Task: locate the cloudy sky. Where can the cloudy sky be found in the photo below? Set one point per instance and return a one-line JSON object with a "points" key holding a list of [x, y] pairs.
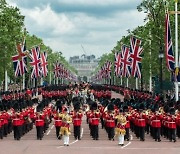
{"points": [[65, 25]]}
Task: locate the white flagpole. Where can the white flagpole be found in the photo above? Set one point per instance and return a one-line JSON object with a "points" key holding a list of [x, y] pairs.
{"points": [[41, 81], [50, 78], [121, 80], [57, 79], [127, 82], [176, 50], [136, 83], [34, 82], [23, 86], [54, 80], [150, 71], [6, 83]]}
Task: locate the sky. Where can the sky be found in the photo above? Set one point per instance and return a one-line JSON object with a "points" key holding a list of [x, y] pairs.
{"points": [[67, 25]]}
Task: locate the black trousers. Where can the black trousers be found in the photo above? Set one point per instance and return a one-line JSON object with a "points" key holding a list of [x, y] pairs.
{"points": [[17, 132], [157, 133], [5, 129], [77, 131], [172, 134], [178, 131], [127, 136], [95, 132], [10, 126], [102, 122], [142, 133], [40, 130], [110, 131], [57, 132], [1, 132]]}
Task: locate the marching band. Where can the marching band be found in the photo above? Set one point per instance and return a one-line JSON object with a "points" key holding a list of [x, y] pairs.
{"points": [[140, 113]]}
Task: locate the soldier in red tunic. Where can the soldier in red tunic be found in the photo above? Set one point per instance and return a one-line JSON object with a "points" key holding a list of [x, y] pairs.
{"points": [[39, 122], [77, 120], [156, 125], [110, 122], [58, 121], [171, 120], [17, 125], [141, 123], [95, 116]]}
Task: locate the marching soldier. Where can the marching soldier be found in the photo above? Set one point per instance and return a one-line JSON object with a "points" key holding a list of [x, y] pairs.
{"points": [[127, 126], [141, 123], [65, 128], [120, 128], [156, 126], [77, 120], [95, 116], [58, 122], [39, 122], [110, 122], [17, 125], [172, 125]]}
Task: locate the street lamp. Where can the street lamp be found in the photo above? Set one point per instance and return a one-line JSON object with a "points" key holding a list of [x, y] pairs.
{"points": [[161, 56]]}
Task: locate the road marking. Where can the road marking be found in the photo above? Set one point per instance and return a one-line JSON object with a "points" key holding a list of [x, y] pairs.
{"points": [[131, 137], [48, 132], [69, 144], [82, 130], [126, 145], [118, 148], [52, 126], [73, 142]]}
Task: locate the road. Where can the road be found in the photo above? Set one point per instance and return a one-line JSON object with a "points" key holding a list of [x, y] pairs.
{"points": [[50, 145]]}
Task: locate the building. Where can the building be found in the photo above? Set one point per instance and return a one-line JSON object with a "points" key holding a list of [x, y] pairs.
{"points": [[85, 65]]}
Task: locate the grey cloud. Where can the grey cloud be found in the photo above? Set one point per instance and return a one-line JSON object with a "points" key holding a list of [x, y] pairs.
{"points": [[93, 9]]}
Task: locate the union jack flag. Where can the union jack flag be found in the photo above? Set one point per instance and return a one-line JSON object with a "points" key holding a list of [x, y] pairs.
{"points": [[44, 64], [117, 64], [125, 62], [56, 69], [168, 46], [135, 58], [103, 71], [108, 69], [35, 62], [20, 60]]}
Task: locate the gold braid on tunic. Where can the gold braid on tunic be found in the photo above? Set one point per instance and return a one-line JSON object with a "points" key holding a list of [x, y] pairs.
{"points": [[121, 122], [65, 130]]}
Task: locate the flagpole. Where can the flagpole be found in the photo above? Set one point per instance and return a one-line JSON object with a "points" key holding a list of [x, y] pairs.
{"points": [[176, 51], [150, 67], [23, 86], [127, 82], [34, 82], [57, 81], [41, 81], [6, 83], [121, 80], [136, 83], [50, 78]]}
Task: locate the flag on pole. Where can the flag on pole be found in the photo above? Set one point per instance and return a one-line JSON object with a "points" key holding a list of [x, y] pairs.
{"points": [[44, 64], [170, 61], [117, 64], [35, 62], [56, 69], [108, 69], [135, 58], [125, 62], [20, 60]]}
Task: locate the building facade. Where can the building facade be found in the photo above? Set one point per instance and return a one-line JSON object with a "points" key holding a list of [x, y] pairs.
{"points": [[85, 65]]}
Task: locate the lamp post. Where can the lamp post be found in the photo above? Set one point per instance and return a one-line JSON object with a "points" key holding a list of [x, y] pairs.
{"points": [[161, 56]]}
